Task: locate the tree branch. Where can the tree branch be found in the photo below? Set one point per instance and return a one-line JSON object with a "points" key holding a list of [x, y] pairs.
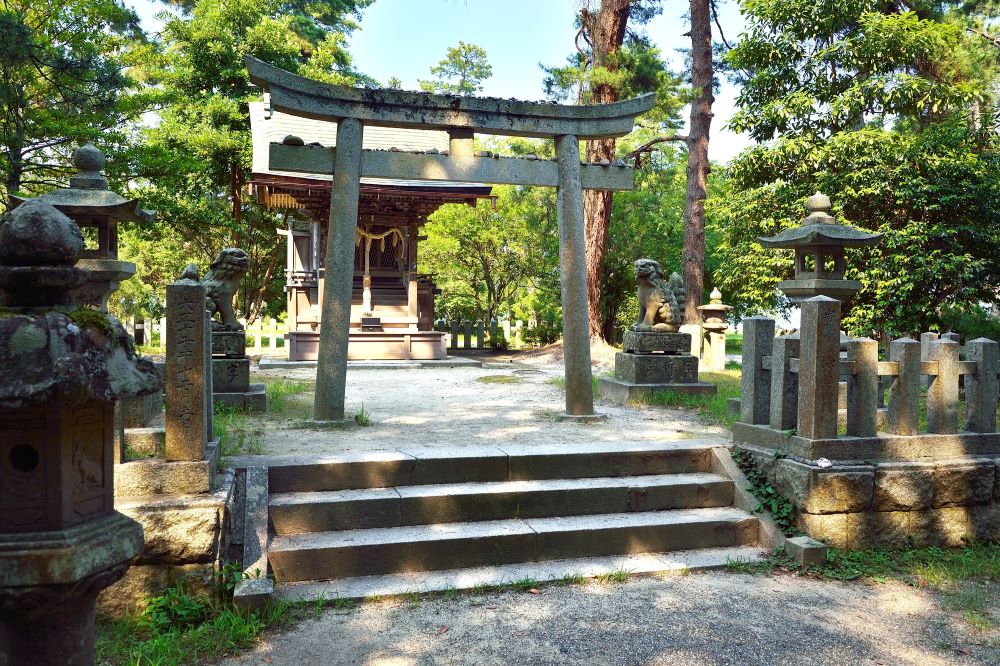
{"points": [[646, 147]]}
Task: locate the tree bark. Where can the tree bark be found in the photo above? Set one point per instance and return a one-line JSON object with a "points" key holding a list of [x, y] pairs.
{"points": [[607, 33], [693, 255]]}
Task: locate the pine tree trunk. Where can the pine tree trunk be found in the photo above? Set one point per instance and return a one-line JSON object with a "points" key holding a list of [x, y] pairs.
{"points": [[693, 255], [607, 32]]}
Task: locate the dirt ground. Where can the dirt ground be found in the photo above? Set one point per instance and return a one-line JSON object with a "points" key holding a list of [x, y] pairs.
{"points": [[712, 618], [430, 407]]}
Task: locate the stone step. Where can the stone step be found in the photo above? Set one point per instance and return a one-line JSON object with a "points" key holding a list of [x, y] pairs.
{"points": [[298, 513], [423, 466], [351, 553], [397, 585]]}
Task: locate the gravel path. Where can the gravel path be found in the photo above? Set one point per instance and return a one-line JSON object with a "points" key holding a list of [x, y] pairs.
{"points": [[429, 407], [712, 618]]}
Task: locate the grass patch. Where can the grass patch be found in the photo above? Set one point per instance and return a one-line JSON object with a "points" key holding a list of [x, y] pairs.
{"points": [[560, 383], [714, 407], [363, 418], [617, 576], [571, 579], [238, 433], [279, 390], [524, 584], [500, 379], [179, 627]]}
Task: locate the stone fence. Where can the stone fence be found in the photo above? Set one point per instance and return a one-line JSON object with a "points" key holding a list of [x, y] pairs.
{"points": [[264, 336], [866, 457]]}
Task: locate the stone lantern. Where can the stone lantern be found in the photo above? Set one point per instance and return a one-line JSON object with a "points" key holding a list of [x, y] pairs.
{"points": [[96, 210], [819, 244], [714, 325], [61, 541]]}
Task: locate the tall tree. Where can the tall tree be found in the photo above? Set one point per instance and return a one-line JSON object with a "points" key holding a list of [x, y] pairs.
{"points": [[702, 81], [462, 71], [194, 164], [890, 112], [612, 62], [62, 83]]}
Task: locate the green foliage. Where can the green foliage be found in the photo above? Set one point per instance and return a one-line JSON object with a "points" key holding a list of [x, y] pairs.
{"points": [[181, 627], [889, 115], [971, 321], [497, 340], [461, 72], [485, 258], [63, 82], [279, 390], [715, 407], [362, 417], [770, 499]]}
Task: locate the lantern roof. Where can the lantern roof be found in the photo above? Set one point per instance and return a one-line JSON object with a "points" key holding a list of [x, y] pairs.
{"points": [[819, 228], [88, 192]]}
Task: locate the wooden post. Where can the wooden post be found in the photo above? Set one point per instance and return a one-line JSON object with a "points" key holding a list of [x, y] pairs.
{"points": [[904, 393], [862, 388], [573, 276], [981, 388], [335, 322]]}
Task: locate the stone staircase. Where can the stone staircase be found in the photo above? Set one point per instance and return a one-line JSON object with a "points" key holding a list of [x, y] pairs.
{"points": [[383, 523]]}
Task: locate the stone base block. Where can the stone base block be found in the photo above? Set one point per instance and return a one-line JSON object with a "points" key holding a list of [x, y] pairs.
{"points": [[232, 344], [148, 442], [230, 374], [150, 477], [646, 342], [139, 412], [253, 593], [623, 392], [806, 551], [129, 595], [656, 368], [254, 399]]}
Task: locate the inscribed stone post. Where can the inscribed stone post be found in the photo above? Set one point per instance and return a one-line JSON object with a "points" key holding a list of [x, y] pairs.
{"points": [[904, 393], [573, 277], [186, 386], [467, 334], [755, 384], [862, 388], [819, 368], [981, 388], [942, 392], [209, 388], [784, 383], [331, 364]]}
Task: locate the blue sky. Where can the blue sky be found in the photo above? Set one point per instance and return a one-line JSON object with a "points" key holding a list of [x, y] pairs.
{"points": [[404, 38]]}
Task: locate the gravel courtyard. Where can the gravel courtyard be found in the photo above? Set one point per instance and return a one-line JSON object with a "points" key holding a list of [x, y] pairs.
{"points": [[710, 618]]}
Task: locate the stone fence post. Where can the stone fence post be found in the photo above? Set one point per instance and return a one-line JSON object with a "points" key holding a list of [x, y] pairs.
{"points": [[862, 388], [755, 384], [784, 383], [819, 368], [942, 392], [186, 391], [904, 393], [981, 388]]}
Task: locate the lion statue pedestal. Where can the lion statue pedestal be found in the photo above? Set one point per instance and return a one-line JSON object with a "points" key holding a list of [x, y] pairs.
{"points": [[230, 365], [656, 357]]}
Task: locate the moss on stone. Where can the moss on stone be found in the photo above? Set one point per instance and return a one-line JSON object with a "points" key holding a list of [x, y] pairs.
{"points": [[84, 317]]}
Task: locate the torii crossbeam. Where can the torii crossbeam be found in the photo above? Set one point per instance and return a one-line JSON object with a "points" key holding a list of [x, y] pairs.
{"points": [[354, 108]]}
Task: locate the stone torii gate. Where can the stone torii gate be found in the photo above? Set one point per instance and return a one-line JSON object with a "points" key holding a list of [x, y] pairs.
{"points": [[354, 108]]}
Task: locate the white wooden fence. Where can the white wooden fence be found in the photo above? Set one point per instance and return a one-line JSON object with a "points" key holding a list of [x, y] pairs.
{"points": [[264, 336]]}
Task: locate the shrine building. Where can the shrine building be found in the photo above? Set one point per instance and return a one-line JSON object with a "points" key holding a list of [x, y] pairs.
{"points": [[392, 306]]}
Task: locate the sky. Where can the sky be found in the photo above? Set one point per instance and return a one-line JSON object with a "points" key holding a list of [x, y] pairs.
{"points": [[404, 38]]}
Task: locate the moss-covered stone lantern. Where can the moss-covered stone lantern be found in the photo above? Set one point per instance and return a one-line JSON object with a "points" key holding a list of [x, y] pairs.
{"points": [[819, 244], [61, 541], [97, 211]]}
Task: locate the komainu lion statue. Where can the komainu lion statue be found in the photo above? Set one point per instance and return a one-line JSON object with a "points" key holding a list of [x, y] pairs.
{"points": [[222, 281], [661, 302]]}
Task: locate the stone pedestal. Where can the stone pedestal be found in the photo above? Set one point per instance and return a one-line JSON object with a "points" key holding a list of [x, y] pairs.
{"points": [[653, 361], [231, 373]]}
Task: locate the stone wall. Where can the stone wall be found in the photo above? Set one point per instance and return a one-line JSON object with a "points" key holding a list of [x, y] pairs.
{"points": [[890, 504]]}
